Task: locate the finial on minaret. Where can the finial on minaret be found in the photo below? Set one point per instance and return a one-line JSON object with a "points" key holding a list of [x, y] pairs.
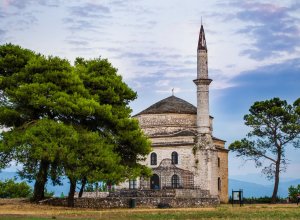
{"points": [[173, 92], [201, 20]]}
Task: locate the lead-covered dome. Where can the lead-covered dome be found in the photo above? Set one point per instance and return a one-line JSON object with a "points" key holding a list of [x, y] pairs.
{"points": [[172, 104]]}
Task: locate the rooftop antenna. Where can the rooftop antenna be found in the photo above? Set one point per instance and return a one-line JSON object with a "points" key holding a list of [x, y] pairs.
{"points": [[201, 20], [173, 92]]}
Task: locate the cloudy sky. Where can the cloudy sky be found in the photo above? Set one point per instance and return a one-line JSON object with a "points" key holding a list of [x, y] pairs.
{"points": [[253, 46]]}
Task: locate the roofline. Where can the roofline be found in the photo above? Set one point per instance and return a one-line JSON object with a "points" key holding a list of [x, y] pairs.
{"points": [[182, 100], [172, 144], [140, 113], [222, 149], [218, 139]]}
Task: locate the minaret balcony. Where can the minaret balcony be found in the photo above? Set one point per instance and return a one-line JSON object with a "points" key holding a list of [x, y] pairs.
{"points": [[202, 81]]}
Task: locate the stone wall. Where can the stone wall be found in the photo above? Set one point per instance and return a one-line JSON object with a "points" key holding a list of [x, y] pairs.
{"points": [[223, 174], [206, 170], [192, 193], [176, 198], [93, 194], [144, 193], [185, 156], [172, 141], [166, 123], [146, 202], [172, 193]]}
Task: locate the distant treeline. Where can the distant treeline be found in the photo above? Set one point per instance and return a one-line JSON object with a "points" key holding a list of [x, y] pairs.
{"points": [[261, 200]]}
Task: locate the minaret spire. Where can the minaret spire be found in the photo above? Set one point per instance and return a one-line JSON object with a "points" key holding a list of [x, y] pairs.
{"points": [[202, 41]]}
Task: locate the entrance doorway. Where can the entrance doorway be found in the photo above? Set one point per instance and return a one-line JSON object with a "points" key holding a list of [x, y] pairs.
{"points": [[154, 182]]}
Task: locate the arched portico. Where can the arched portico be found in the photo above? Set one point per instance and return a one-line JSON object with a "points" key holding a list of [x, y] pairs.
{"points": [[154, 182]]}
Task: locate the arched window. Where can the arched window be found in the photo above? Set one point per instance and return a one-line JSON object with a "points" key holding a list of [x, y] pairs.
{"points": [[153, 159], [219, 162], [174, 157], [219, 184], [175, 181]]}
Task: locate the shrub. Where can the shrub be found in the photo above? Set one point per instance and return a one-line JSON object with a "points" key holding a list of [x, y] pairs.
{"points": [[11, 189], [293, 192], [48, 194], [260, 200]]}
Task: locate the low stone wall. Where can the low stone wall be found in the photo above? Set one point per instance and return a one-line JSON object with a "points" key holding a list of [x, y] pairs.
{"points": [[93, 194], [173, 193], [144, 193], [176, 198], [192, 193], [146, 202]]}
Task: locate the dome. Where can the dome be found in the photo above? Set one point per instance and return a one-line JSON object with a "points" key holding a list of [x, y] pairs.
{"points": [[171, 104]]}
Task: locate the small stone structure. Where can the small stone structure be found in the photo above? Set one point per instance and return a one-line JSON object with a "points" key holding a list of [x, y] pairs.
{"points": [[174, 198]]}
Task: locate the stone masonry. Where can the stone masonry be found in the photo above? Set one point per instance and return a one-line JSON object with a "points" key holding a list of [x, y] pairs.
{"points": [[174, 198]]}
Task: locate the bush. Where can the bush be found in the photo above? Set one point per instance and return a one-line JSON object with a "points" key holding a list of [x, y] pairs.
{"points": [[164, 206], [260, 200], [48, 194], [293, 192], [11, 189]]}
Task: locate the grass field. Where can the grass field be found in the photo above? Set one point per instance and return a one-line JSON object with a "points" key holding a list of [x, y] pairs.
{"points": [[22, 209]]}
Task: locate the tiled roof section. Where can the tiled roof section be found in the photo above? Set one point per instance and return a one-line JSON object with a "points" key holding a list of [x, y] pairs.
{"points": [[171, 104]]}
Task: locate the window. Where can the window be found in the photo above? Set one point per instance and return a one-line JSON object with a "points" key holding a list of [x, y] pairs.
{"points": [[219, 184], [175, 181], [132, 184], [218, 161], [174, 157], [153, 159]]}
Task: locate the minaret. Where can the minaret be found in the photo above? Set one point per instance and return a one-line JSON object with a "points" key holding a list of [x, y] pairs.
{"points": [[202, 82], [206, 172]]}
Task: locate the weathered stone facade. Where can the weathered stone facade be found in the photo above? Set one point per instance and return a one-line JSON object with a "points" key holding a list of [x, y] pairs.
{"points": [[175, 198], [223, 174], [141, 202], [185, 153]]}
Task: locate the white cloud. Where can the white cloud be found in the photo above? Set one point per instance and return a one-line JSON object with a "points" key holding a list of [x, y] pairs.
{"points": [[162, 83]]}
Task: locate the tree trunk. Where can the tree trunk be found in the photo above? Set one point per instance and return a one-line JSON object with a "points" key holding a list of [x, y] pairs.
{"points": [[83, 183], [97, 189], [276, 183], [41, 180], [71, 192]]}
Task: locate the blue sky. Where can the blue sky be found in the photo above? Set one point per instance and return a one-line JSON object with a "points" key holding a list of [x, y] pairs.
{"points": [[253, 46]]}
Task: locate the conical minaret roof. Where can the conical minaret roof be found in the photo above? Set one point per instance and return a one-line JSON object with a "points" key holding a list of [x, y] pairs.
{"points": [[202, 41]]}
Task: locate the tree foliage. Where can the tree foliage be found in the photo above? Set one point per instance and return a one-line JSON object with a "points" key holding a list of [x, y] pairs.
{"points": [[67, 120], [9, 188], [294, 191], [275, 125]]}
